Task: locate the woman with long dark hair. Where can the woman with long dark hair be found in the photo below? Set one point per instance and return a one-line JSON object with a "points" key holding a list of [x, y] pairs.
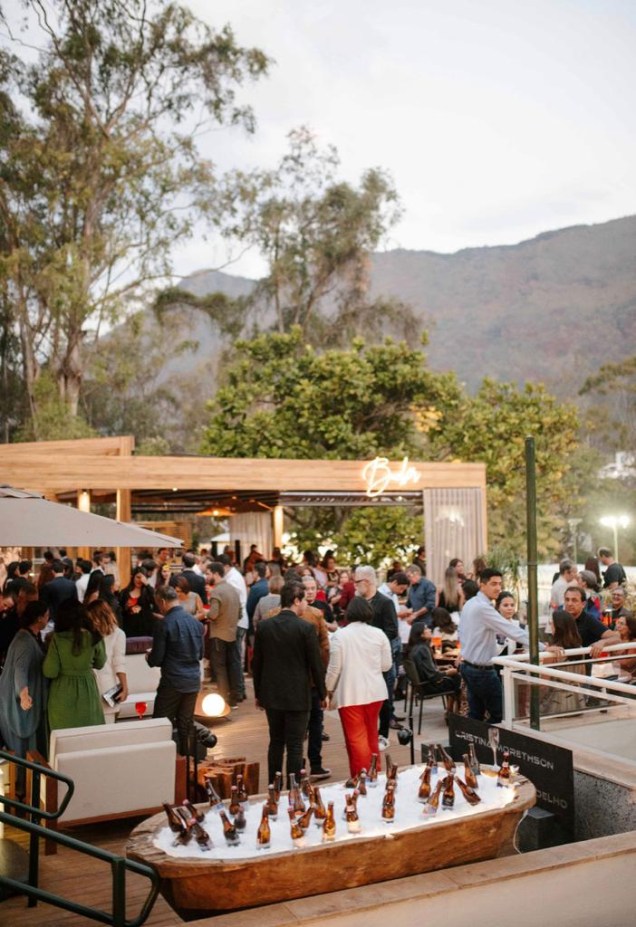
{"points": [[73, 651], [138, 605], [565, 634]]}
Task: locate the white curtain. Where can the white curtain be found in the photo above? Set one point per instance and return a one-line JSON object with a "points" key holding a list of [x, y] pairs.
{"points": [[252, 528], [454, 526]]}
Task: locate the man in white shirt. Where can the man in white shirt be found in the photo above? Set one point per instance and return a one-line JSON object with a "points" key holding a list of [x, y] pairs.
{"points": [[567, 575], [235, 578]]}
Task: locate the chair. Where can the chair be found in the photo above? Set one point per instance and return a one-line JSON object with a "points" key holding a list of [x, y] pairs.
{"points": [[415, 689]]}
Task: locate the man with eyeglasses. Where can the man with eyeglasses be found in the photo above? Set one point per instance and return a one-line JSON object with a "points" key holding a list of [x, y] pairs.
{"points": [[385, 618]]}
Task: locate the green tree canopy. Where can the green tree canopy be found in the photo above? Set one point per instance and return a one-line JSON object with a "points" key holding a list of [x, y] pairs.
{"points": [[99, 163]]}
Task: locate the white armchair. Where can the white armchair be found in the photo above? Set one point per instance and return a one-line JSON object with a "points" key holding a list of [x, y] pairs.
{"points": [[119, 770]]}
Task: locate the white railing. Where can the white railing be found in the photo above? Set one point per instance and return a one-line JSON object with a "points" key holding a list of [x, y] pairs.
{"points": [[517, 669]]}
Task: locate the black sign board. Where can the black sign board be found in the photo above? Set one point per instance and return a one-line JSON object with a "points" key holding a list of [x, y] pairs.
{"points": [[547, 766]]}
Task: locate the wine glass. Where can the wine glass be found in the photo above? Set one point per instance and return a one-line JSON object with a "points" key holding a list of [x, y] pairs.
{"points": [[493, 741], [141, 708]]}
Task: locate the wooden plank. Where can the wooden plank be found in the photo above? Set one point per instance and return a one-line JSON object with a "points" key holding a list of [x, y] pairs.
{"points": [[215, 473]]}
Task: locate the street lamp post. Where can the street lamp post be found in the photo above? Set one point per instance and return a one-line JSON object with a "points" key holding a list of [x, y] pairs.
{"points": [[615, 522]]}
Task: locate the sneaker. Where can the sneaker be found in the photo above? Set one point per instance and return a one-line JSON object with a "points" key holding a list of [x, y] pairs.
{"points": [[383, 742], [320, 773], [325, 736]]}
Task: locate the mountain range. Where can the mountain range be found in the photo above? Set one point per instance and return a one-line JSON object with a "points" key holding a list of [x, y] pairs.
{"points": [[553, 308]]}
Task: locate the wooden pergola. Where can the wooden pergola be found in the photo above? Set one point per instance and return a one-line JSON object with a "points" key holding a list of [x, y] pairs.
{"points": [[106, 469]]}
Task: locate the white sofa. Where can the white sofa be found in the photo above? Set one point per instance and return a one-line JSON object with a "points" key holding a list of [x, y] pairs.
{"points": [[119, 770]]}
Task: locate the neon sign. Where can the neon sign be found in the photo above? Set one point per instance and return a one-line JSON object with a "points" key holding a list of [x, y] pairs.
{"points": [[378, 475]]}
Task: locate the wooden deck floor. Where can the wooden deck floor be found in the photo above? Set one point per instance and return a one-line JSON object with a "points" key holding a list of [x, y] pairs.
{"points": [[87, 881]]}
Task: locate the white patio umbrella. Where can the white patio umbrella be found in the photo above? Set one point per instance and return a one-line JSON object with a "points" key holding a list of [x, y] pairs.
{"points": [[29, 520]]}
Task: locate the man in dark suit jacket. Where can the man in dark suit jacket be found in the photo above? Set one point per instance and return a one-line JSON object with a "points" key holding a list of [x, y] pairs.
{"points": [[285, 665], [58, 589], [195, 580]]}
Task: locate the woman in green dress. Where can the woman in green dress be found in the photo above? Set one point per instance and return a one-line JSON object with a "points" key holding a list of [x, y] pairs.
{"points": [[73, 652]]}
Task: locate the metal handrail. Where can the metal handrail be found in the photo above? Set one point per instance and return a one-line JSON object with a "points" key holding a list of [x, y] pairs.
{"points": [[119, 864]]}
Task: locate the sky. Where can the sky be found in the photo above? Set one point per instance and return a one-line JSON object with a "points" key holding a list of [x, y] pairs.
{"points": [[497, 119]]}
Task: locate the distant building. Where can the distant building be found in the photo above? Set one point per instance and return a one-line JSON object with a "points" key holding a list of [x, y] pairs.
{"points": [[622, 467]]}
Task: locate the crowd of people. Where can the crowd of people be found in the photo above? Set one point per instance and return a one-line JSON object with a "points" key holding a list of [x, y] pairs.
{"points": [[312, 635]]}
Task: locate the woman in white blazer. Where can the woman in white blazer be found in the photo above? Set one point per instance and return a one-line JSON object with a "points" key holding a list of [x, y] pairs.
{"points": [[358, 655]]}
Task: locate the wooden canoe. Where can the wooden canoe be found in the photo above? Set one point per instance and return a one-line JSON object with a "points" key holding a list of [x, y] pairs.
{"points": [[199, 887]]}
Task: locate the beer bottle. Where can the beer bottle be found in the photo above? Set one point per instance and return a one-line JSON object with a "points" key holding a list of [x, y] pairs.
{"points": [[184, 836], [235, 804], [239, 818], [229, 831], [175, 822], [432, 758], [474, 762], [329, 824], [353, 821], [320, 812], [362, 782], [195, 812], [305, 784], [425, 784], [201, 836], [503, 776], [373, 771], [278, 785], [389, 763], [305, 819], [469, 775], [432, 804], [297, 835], [468, 792], [264, 832], [295, 798], [243, 795], [388, 802], [447, 760], [213, 795], [448, 798], [392, 775], [272, 803]]}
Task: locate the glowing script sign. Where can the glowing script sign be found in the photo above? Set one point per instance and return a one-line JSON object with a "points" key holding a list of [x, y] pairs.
{"points": [[379, 475]]}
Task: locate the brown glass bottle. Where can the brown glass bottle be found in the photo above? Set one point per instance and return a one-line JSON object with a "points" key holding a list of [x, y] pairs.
{"points": [[239, 818], [468, 792], [432, 804], [295, 797], [201, 836], [243, 794], [278, 785], [388, 763], [388, 802], [175, 822], [235, 804], [351, 815], [425, 784], [264, 832], [229, 830], [474, 762], [432, 758], [362, 782], [329, 824], [305, 819], [305, 784], [448, 797], [272, 803], [196, 813], [503, 776], [469, 775], [447, 760], [213, 795], [373, 771], [296, 831], [320, 812]]}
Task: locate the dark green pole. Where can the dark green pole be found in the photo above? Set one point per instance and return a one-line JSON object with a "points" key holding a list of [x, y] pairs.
{"points": [[533, 598]]}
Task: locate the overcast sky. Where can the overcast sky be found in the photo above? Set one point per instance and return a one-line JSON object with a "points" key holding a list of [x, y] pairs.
{"points": [[497, 119]]}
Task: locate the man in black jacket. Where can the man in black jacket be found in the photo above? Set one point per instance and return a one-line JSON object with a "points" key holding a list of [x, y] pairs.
{"points": [[285, 665], [58, 589], [195, 580]]}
